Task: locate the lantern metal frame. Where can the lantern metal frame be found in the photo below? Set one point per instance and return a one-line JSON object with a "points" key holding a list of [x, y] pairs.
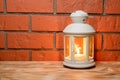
{"points": [[78, 63], [80, 29]]}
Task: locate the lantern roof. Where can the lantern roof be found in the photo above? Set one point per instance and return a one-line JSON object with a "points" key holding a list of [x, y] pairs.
{"points": [[79, 13], [79, 26]]}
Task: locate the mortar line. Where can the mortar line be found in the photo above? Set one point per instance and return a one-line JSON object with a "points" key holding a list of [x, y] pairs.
{"points": [[54, 41], [107, 50], [28, 13], [5, 41], [30, 23], [54, 6], [29, 49], [102, 41], [30, 55], [104, 7], [52, 50], [52, 32], [57, 14], [42, 32], [5, 7]]}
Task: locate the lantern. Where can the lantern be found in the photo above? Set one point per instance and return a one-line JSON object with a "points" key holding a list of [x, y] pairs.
{"points": [[79, 42]]}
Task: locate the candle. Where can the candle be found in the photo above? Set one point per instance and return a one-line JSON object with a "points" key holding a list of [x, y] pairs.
{"points": [[78, 55]]}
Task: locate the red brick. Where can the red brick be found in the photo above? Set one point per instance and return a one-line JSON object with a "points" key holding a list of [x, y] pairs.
{"points": [[47, 55], [49, 23], [105, 23], [112, 41], [59, 41], [90, 6], [98, 41], [13, 22], [1, 5], [30, 40], [12, 55], [30, 6], [113, 6], [107, 56], [58, 23], [1, 40]]}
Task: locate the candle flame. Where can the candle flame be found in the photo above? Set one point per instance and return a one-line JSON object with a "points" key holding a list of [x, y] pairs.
{"points": [[78, 55], [78, 49]]}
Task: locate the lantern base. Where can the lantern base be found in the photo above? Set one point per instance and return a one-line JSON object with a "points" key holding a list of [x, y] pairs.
{"points": [[79, 65]]}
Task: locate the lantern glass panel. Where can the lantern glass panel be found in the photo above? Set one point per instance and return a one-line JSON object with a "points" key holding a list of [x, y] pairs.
{"points": [[91, 47], [67, 54], [79, 48]]}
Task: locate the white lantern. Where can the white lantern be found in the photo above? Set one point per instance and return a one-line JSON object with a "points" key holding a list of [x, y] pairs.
{"points": [[79, 42]]}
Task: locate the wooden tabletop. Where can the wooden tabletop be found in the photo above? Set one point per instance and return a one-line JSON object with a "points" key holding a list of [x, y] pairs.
{"points": [[50, 70]]}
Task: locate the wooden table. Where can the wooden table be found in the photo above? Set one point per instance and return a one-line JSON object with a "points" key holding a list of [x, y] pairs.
{"points": [[50, 70]]}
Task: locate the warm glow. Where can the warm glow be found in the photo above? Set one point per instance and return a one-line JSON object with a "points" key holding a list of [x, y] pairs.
{"points": [[78, 50], [78, 55]]}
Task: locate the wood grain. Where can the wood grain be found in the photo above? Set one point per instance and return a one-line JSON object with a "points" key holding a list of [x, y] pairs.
{"points": [[52, 70]]}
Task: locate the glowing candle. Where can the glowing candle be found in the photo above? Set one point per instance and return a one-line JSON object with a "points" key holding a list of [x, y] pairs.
{"points": [[78, 55]]}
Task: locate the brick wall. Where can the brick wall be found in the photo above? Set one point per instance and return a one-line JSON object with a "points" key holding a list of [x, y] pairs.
{"points": [[31, 30]]}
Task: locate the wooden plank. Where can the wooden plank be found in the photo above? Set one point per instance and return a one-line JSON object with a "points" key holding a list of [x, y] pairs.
{"points": [[53, 70]]}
